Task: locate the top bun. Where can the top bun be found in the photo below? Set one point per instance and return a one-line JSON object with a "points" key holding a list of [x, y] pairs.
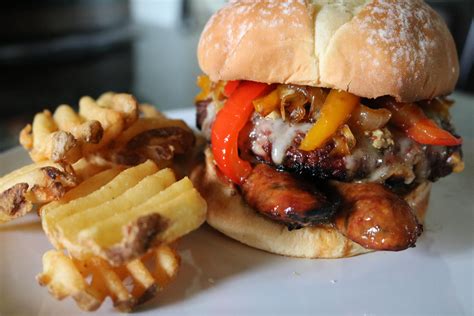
{"points": [[400, 48]]}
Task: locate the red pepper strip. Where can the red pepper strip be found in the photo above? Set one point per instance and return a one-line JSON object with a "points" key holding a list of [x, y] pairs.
{"points": [[230, 87], [427, 132], [229, 122], [410, 118]]}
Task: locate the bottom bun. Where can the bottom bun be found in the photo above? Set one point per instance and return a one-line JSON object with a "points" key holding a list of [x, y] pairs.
{"points": [[229, 213]]}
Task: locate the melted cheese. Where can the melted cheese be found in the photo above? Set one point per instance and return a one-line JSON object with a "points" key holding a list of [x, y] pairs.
{"points": [[278, 133]]}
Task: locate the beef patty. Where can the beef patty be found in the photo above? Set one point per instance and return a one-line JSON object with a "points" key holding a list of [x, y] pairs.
{"points": [[383, 156]]}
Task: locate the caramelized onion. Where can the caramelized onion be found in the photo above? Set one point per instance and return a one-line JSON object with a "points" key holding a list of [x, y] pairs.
{"points": [[293, 101], [296, 103], [296, 111], [344, 141], [368, 119], [300, 103], [317, 96]]}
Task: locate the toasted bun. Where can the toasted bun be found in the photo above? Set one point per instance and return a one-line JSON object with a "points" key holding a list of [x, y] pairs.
{"points": [[229, 214], [400, 48]]}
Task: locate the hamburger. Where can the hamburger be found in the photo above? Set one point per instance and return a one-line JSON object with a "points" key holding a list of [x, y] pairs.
{"points": [[326, 122]]}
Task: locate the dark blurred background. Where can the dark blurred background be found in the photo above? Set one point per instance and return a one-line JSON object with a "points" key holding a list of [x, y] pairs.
{"points": [[55, 51]]}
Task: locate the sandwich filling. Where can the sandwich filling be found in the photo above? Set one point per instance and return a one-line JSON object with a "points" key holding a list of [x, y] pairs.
{"points": [[300, 155]]}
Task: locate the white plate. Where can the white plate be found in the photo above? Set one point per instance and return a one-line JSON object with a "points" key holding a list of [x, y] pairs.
{"points": [[220, 276]]}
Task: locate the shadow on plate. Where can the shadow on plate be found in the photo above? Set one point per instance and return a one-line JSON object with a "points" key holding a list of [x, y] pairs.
{"points": [[208, 259]]}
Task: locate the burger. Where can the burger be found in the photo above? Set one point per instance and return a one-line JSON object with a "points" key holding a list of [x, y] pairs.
{"points": [[326, 123]]}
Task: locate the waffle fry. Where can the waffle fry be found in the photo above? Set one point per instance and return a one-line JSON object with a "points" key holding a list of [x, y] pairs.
{"points": [[130, 177], [86, 168], [33, 184], [111, 224], [69, 121], [88, 186], [157, 138], [123, 103], [106, 132], [68, 136], [45, 142], [112, 121], [180, 211], [137, 209], [149, 111], [90, 281]]}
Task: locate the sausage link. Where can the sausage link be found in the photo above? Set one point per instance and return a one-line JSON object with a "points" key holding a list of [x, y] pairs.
{"points": [[376, 218], [280, 196]]}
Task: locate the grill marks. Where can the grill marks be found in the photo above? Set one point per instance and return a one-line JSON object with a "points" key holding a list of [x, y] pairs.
{"points": [[280, 196], [370, 214]]}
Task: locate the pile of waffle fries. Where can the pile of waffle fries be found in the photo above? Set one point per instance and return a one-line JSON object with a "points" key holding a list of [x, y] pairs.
{"points": [[103, 183]]}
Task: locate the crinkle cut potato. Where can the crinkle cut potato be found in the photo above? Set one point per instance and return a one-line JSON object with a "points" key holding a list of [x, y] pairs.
{"points": [[111, 196], [33, 184], [90, 281], [111, 226], [68, 147], [127, 213]]}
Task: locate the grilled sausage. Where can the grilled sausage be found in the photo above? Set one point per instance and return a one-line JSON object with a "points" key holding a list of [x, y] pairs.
{"points": [[376, 218], [280, 196]]}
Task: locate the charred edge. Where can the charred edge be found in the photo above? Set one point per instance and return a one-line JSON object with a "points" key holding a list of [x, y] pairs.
{"points": [[439, 165], [148, 294], [95, 133], [139, 236], [125, 305], [59, 176], [53, 191], [174, 135], [13, 202], [322, 215], [157, 144], [319, 216], [315, 217], [51, 172], [317, 206], [318, 164]]}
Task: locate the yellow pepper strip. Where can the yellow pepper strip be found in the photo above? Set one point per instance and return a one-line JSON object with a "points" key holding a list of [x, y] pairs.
{"points": [[267, 104], [335, 111], [204, 83]]}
